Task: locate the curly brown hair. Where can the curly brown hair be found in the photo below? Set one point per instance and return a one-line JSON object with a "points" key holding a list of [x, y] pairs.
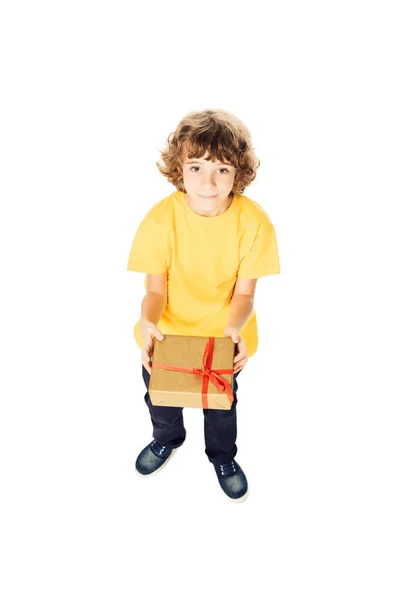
{"points": [[218, 132]]}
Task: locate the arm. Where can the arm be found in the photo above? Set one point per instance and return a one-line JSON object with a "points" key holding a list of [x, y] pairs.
{"points": [[153, 306], [155, 300], [241, 306], [242, 302], [240, 309]]}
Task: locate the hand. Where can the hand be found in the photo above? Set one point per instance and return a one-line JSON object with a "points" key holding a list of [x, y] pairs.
{"points": [[241, 357], [148, 331]]}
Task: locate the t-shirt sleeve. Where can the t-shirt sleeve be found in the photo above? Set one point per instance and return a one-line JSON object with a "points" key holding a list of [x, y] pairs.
{"points": [[149, 248], [262, 258]]}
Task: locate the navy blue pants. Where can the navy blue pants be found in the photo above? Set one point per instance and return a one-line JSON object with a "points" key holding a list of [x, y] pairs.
{"points": [[220, 428]]}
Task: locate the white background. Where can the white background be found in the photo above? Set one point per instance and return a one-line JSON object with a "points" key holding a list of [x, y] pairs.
{"points": [[90, 92]]}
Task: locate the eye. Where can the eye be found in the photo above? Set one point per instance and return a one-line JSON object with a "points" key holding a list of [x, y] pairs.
{"points": [[221, 169]]}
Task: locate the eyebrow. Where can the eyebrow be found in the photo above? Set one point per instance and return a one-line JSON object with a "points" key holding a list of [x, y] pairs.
{"points": [[190, 162]]}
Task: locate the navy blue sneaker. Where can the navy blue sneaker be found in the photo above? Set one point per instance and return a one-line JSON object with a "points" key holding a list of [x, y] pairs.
{"points": [[153, 458], [232, 480]]}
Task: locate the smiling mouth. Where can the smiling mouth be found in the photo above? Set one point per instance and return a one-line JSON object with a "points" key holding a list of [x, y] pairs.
{"points": [[208, 197]]}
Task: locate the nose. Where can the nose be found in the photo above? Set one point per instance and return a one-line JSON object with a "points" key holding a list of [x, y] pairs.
{"points": [[208, 182]]}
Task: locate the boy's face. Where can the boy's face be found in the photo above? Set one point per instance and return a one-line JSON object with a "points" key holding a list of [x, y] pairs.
{"points": [[207, 183]]}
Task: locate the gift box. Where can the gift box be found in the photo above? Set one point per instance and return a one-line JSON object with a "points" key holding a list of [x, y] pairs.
{"points": [[192, 371]]}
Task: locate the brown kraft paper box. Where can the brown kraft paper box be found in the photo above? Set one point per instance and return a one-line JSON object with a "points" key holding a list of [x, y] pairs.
{"points": [[192, 389]]}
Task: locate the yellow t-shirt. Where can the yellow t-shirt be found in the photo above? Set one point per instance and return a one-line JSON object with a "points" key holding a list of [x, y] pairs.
{"points": [[203, 256]]}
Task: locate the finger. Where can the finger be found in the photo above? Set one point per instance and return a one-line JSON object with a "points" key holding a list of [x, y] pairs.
{"points": [[146, 359], [147, 367], [239, 356], [158, 335], [240, 365], [234, 337], [241, 362]]}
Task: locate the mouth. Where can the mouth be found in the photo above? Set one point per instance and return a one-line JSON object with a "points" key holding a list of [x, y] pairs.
{"points": [[208, 197]]}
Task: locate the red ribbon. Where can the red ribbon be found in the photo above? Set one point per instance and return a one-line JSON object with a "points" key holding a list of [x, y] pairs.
{"points": [[208, 374]]}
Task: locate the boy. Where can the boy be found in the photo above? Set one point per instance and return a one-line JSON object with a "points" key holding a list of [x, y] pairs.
{"points": [[202, 249]]}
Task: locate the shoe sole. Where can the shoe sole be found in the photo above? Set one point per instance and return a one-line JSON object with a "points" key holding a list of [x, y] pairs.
{"points": [[242, 498], [159, 468]]}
